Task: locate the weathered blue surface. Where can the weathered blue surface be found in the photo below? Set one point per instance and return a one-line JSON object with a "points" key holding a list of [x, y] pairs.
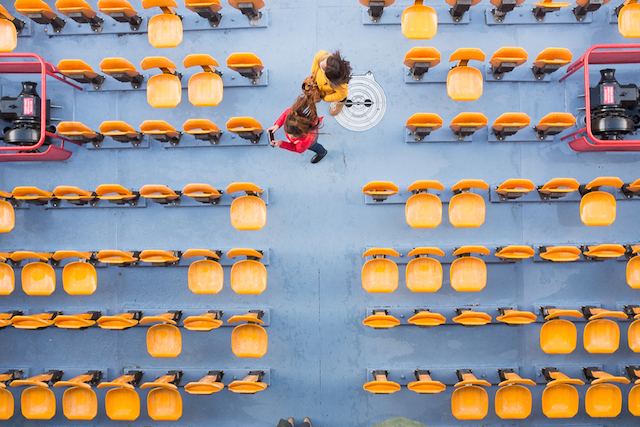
{"points": [[318, 225]]}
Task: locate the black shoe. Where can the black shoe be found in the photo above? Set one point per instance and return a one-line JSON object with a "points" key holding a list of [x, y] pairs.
{"points": [[318, 157]]}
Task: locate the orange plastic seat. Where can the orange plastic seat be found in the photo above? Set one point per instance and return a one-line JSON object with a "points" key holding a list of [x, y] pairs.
{"points": [[121, 132], [541, 9], [161, 131], [633, 268], [40, 12], [380, 320], [81, 12], [471, 318], [250, 384], [7, 276], [119, 321], [203, 129], [603, 400], [121, 11], [419, 21], [249, 339], [516, 317], [560, 398], [629, 19], [426, 319], [466, 124], [422, 124], [7, 214], [205, 276], [603, 252], [553, 124], [207, 385], [116, 257], [37, 401], [80, 71], [246, 128], [464, 83], [32, 195], [204, 322], [249, 8], [514, 252], [159, 257], [73, 195], [380, 190], [560, 253], [514, 188], [205, 89], [424, 274], [159, 194], [203, 193], [468, 273], [634, 394], [248, 276], [601, 335], [6, 398], [469, 401], [163, 90], [165, 30], [247, 64], [380, 274], [506, 59], [424, 384], [558, 187], [509, 124], [38, 278], [122, 403], [248, 212], [424, 210], [558, 336], [467, 209], [163, 340], [381, 385], [208, 9], [78, 132], [76, 321], [122, 70], [164, 402], [549, 60], [598, 208], [79, 402], [513, 400], [8, 31], [420, 60], [117, 194], [34, 321]]}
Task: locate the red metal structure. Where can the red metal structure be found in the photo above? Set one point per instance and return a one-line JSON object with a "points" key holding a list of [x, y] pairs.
{"points": [[25, 153], [584, 139]]}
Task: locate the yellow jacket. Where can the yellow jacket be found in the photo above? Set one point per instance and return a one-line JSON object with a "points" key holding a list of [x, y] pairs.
{"points": [[329, 93]]}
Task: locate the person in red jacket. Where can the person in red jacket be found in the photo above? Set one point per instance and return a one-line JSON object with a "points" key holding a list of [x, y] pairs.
{"points": [[301, 124]]}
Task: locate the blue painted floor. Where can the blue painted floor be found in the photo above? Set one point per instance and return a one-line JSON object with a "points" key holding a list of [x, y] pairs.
{"points": [[318, 225]]}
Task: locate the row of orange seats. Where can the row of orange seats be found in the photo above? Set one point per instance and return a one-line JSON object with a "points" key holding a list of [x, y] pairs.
{"points": [[202, 129], [163, 338], [467, 209], [468, 272], [560, 398], [205, 89], [164, 30], [248, 212], [557, 336], [122, 402], [79, 277], [508, 124]]}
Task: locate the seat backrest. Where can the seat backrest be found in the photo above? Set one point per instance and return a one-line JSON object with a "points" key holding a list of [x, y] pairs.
{"points": [[7, 217], [79, 404], [424, 120], [464, 83], [165, 30], [424, 274], [205, 89], [164, 404], [468, 274], [122, 404], [509, 54], [249, 340], [601, 336], [38, 278], [553, 55], [513, 402], [468, 120], [205, 277], [558, 336], [8, 36], [423, 210], [469, 403], [603, 401], [560, 401], [244, 60], [164, 341], [38, 403], [633, 272], [419, 21], [598, 208], [511, 120], [7, 279], [6, 404], [628, 19], [380, 275], [422, 54]]}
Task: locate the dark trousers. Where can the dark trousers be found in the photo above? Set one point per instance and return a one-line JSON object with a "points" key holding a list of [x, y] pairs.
{"points": [[316, 147]]}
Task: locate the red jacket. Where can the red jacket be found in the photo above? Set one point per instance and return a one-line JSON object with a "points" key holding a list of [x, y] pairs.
{"points": [[298, 145]]}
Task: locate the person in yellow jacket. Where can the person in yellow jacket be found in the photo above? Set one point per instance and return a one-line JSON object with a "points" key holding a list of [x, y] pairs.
{"points": [[332, 74]]}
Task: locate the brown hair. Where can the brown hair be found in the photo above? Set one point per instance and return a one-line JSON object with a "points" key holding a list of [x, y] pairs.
{"points": [[302, 118], [338, 70]]}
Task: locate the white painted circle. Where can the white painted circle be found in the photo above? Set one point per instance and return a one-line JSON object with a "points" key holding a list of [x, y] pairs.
{"points": [[366, 104]]}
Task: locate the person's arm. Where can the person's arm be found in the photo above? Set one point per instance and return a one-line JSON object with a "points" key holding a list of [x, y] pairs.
{"points": [[339, 94], [319, 55], [296, 148]]}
